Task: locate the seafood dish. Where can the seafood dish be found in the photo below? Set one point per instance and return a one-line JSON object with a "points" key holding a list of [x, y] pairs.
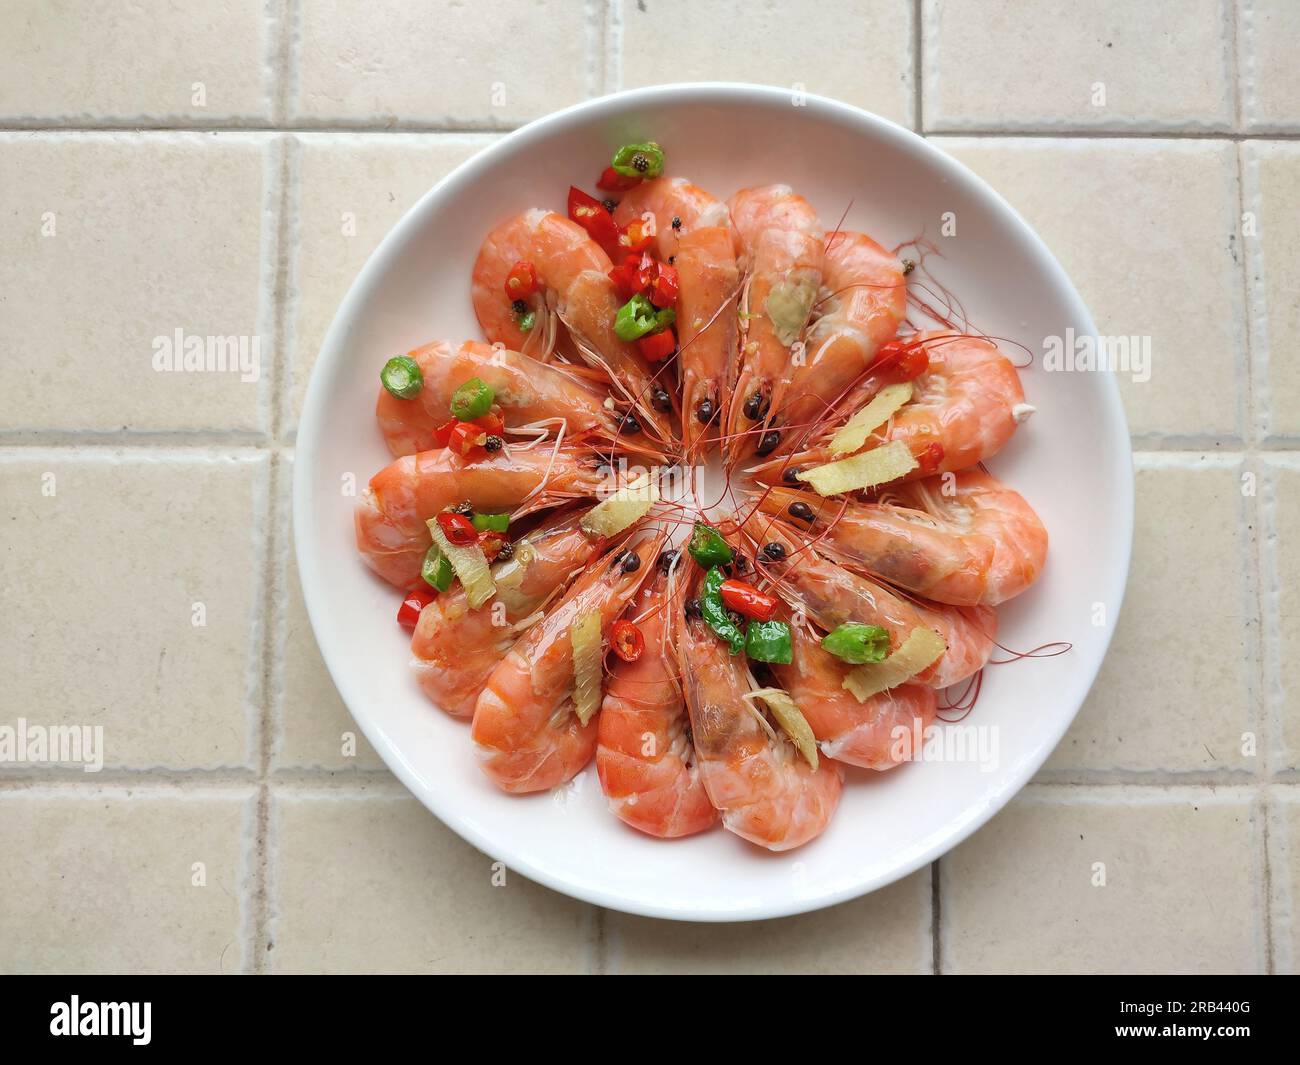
{"points": [[705, 506]]}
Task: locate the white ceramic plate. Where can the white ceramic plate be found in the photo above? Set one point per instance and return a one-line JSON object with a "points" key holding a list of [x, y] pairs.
{"points": [[1071, 460]]}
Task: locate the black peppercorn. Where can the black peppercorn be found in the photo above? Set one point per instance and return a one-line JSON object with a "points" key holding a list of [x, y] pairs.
{"points": [[677, 222], [465, 510], [507, 552], [609, 205], [493, 443], [519, 306]]}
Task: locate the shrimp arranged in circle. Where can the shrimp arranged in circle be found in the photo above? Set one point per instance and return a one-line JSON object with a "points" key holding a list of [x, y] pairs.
{"points": [[392, 536], [693, 232], [644, 756], [832, 595], [529, 737], [573, 271], [961, 538], [527, 392], [764, 789], [864, 301], [780, 239], [875, 734], [456, 647]]}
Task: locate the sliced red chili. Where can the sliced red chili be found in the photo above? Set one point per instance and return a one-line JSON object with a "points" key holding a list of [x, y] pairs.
{"points": [[900, 361], [657, 346], [408, 614], [590, 213], [612, 181], [745, 599], [491, 423], [521, 282], [465, 437], [491, 543], [930, 457], [663, 289], [442, 434], [457, 528], [635, 236], [635, 273], [627, 641]]}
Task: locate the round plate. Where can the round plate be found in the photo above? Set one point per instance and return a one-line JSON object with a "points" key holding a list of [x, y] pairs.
{"points": [[1071, 460]]}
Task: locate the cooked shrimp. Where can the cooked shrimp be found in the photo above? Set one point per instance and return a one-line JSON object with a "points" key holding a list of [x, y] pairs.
{"points": [[781, 240], [765, 790], [963, 538], [456, 648], [965, 405], [526, 391], [390, 518], [573, 272], [644, 754], [528, 736], [832, 595], [693, 232], [864, 298], [860, 733]]}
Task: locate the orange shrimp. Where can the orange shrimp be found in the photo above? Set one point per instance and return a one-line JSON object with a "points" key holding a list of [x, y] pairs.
{"points": [[644, 754], [528, 736], [573, 272], [832, 596], [859, 733], [693, 232], [781, 240], [390, 518], [963, 538], [865, 299], [456, 648], [968, 401], [526, 391], [765, 790]]}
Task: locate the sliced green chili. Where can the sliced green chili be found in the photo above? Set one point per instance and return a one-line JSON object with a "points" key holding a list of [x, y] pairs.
{"points": [[768, 641], [401, 376], [436, 569], [525, 321], [716, 614], [472, 400], [857, 643], [643, 160], [707, 546], [491, 522]]}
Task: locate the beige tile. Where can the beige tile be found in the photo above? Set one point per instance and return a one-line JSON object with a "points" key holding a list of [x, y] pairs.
{"points": [[440, 62], [1281, 595], [351, 191], [1163, 267], [378, 884], [1284, 863], [1272, 184], [859, 51], [151, 59], [314, 726], [1270, 75], [107, 881], [104, 582], [1166, 700], [1179, 895], [113, 243], [1059, 64], [887, 931]]}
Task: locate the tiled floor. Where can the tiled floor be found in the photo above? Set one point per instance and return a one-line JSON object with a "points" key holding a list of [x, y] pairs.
{"points": [[230, 178]]}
